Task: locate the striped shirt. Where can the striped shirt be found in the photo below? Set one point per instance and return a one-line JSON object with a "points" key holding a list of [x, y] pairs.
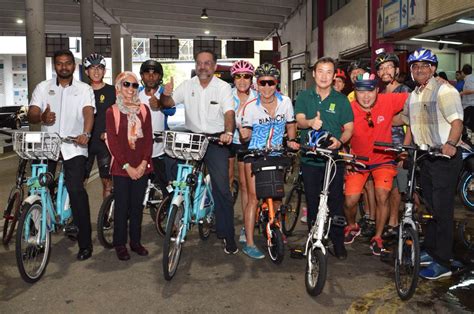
{"points": [[430, 112]]}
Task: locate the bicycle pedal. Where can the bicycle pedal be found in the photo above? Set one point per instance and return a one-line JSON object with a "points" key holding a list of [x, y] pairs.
{"points": [[339, 221], [297, 253]]}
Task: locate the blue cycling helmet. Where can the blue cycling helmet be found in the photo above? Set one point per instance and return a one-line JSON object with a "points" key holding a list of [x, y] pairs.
{"points": [[319, 138], [423, 55], [365, 81]]}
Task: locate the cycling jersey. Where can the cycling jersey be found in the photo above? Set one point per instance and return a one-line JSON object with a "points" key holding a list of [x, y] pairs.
{"points": [[239, 110]]}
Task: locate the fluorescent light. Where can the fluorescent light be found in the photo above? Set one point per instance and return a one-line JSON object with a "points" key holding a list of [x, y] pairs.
{"points": [[207, 32], [19, 21], [465, 21], [437, 41]]}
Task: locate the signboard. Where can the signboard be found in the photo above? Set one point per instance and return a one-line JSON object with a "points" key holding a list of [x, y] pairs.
{"points": [[416, 12], [391, 18], [398, 15], [164, 48], [208, 44], [379, 23]]}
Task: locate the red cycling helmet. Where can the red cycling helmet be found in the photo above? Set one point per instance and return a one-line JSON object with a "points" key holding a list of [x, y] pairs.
{"points": [[340, 73]]}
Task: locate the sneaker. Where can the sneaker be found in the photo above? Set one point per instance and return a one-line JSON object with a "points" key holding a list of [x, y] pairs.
{"points": [[390, 232], [434, 271], [369, 230], [425, 259], [230, 247], [253, 252], [350, 233], [376, 245], [242, 237], [304, 218]]}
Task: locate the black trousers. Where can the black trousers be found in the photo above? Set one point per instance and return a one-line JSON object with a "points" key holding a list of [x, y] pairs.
{"points": [[160, 173], [74, 174], [438, 179], [128, 196], [313, 178]]}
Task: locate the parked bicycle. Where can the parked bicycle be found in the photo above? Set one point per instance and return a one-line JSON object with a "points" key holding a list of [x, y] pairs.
{"points": [[191, 202], [407, 259], [317, 242], [43, 211], [292, 201]]}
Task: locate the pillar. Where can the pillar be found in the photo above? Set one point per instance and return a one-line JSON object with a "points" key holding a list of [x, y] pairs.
{"points": [[116, 50]]}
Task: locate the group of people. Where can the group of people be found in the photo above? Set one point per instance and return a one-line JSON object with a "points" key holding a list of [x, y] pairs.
{"points": [[255, 115]]}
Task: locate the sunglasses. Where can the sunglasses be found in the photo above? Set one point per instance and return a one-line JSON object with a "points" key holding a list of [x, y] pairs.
{"points": [[242, 76], [128, 84], [368, 118], [267, 82]]}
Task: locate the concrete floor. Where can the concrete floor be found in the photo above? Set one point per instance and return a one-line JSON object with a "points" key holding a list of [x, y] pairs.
{"points": [[209, 280]]}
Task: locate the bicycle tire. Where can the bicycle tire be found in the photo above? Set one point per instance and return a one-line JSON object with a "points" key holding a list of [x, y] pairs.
{"points": [[235, 190], [162, 215], [408, 264], [205, 226], [105, 222], [172, 246], [26, 250], [292, 211], [154, 199], [276, 249], [463, 190], [316, 271], [12, 214]]}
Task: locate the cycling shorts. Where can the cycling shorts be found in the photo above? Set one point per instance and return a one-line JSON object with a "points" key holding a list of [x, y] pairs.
{"points": [[383, 179], [235, 148], [101, 152]]}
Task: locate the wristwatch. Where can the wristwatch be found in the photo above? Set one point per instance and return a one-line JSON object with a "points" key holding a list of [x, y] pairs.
{"points": [[230, 133], [87, 134]]}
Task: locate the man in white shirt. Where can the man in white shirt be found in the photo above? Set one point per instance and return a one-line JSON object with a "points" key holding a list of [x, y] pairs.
{"points": [[467, 95], [66, 106], [209, 110]]}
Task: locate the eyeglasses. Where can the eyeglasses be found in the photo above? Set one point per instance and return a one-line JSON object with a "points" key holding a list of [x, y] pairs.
{"points": [[205, 63], [267, 82], [368, 118], [242, 76], [128, 84], [422, 66], [387, 67]]}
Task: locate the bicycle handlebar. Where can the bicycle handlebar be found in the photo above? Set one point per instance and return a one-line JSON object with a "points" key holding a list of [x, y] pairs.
{"points": [[333, 153], [399, 148]]}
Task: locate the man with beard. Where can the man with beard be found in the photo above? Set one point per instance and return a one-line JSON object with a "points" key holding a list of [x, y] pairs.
{"points": [[66, 106], [209, 109]]}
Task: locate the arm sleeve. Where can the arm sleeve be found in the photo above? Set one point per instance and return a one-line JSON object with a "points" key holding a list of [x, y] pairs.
{"points": [[347, 113], [113, 142], [247, 119], [290, 114], [300, 104], [89, 98], [147, 136], [405, 114], [178, 94], [37, 98], [449, 102], [398, 100], [227, 101]]}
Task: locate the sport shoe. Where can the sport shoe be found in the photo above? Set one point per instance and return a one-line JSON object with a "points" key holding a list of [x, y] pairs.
{"points": [[390, 232], [425, 259], [376, 245], [304, 218], [230, 247], [242, 237], [369, 230], [350, 233], [434, 271], [253, 252]]}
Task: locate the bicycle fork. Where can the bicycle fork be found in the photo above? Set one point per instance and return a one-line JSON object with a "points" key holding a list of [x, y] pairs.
{"points": [[317, 235], [407, 220]]}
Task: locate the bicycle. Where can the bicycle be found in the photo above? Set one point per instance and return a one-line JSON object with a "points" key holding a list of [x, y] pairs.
{"points": [[43, 211], [269, 185], [407, 259], [191, 202], [292, 203], [316, 243], [12, 210]]}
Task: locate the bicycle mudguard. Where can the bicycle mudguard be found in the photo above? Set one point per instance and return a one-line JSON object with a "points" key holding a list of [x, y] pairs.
{"points": [[31, 199], [177, 200]]}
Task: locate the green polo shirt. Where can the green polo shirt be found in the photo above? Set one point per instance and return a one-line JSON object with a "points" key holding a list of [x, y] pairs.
{"points": [[335, 111]]}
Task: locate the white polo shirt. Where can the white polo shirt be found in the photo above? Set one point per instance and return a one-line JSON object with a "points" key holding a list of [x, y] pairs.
{"points": [[204, 107], [67, 102], [157, 120]]}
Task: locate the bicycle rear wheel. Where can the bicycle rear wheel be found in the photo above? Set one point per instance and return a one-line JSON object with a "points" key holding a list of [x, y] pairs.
{"points": [[162, 215], [292, 210], [105, 222], [155, 198], [172, 245], [276, 249], [407, 265], [11, 214], [32, 254], [316, 271]]}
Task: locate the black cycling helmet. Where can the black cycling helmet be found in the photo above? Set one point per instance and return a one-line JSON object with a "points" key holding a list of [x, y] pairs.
{"points": [[151, 65], [267, 69], [356, 64], [386, 57], [94, 59]]}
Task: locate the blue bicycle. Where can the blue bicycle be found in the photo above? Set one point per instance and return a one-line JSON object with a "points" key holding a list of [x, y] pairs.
{"points": [[192, 202], [43, 211]]}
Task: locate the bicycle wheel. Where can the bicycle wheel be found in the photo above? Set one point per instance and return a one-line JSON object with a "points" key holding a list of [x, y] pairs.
{"points": [[162, 215], [172, 245], [11, 214], [466, 190], [155, 198], [407, 265], [292, 210], [276, 249], [105, 222], [32, 253], [205, 226], [235, 190], [316, 271]]}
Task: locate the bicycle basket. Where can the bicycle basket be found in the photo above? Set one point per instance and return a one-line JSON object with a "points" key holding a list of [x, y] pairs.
{"points": [[186, 146], [37, 145], [269, 177]]}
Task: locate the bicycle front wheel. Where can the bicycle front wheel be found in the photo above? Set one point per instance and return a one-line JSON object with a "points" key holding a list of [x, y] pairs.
{"points": [[292, 210], [32, 252], [162, 215], [172, 245], [407, 265], [105, 222], [11, 214], [316, 271], [276, 247]]}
